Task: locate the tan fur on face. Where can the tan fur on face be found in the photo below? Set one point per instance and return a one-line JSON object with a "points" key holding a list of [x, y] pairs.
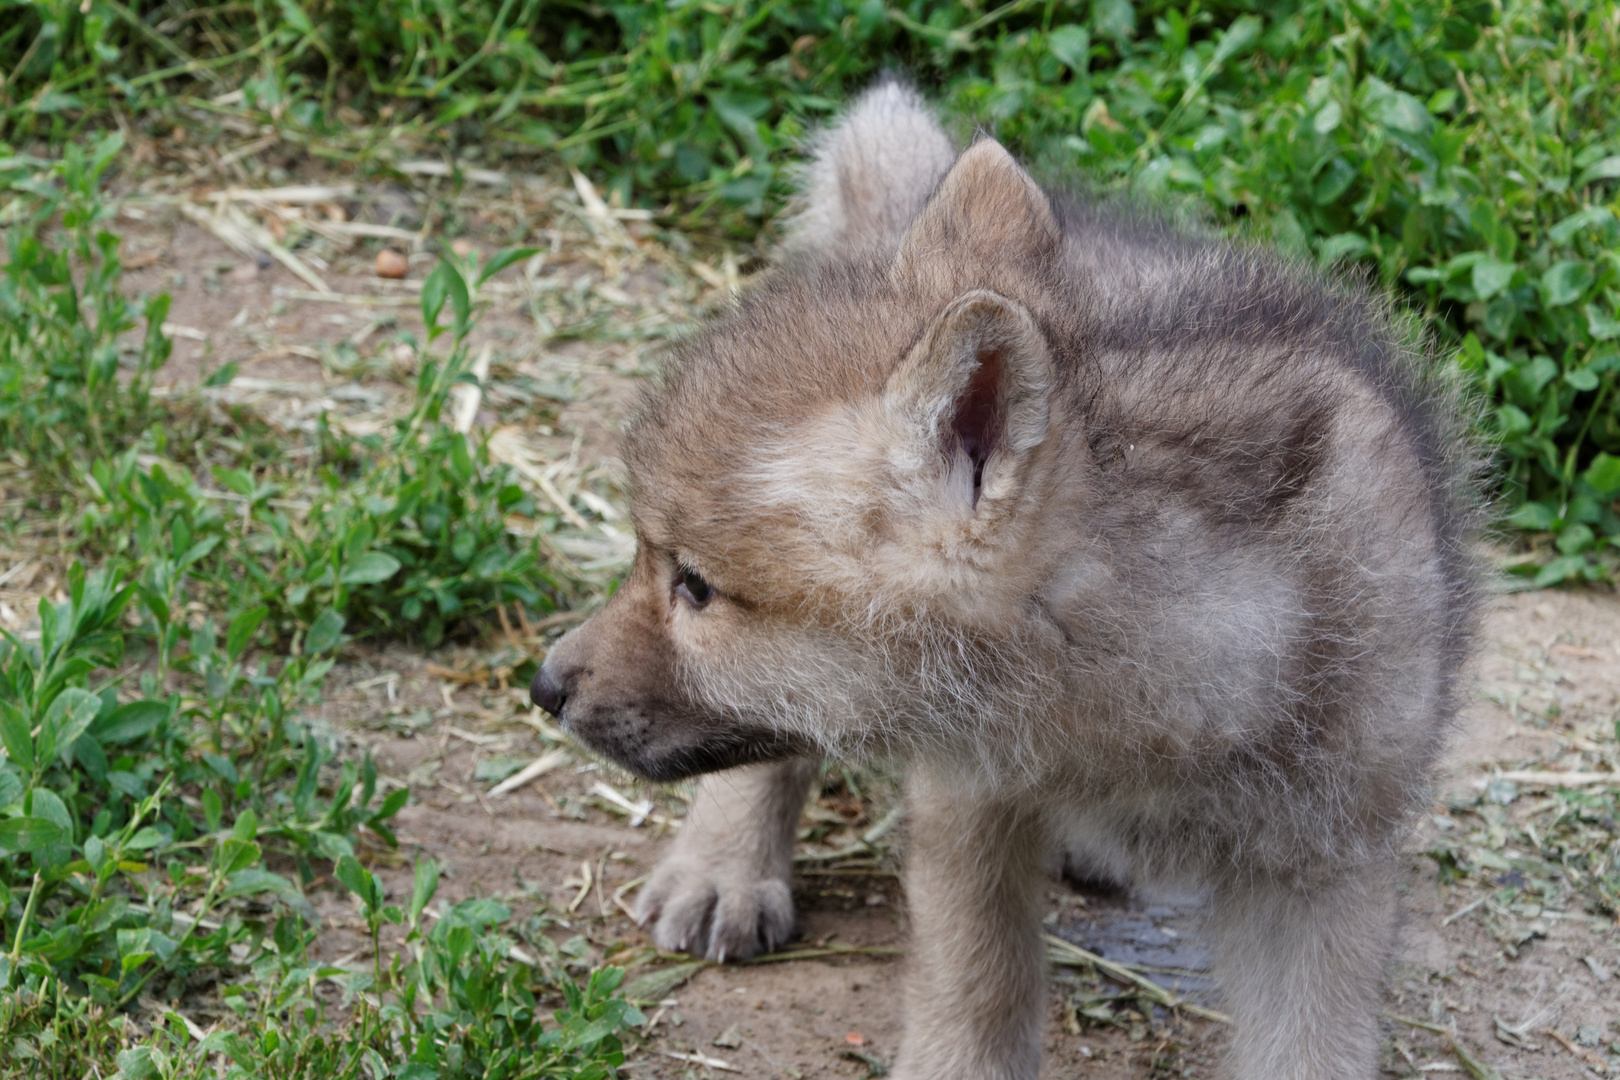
{"points": [[908, 533], [1106, 531]]}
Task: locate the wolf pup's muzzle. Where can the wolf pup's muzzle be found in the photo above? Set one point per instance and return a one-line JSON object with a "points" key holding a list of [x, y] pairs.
{"points": [[546, 692]]}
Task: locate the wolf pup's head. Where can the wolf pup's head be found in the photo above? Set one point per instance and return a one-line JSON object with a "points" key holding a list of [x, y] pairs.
{"points": [[838, 485]]}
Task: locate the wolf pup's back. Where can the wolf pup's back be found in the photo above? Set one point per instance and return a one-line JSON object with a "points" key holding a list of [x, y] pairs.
{"points": [[1113, 535]]}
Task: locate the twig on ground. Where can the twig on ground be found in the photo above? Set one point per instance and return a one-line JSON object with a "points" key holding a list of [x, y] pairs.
{"points": [[1464, 910], [531, 772], [1471, 1064], [1065, 952], [699, 1059], [1540, 778]]}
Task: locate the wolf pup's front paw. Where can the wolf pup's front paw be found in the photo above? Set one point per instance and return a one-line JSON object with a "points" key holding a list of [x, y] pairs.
{"points": [[716, 908]]}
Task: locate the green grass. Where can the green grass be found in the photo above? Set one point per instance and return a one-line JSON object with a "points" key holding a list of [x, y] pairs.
{"points": [[163, 805], [1465, 152]]}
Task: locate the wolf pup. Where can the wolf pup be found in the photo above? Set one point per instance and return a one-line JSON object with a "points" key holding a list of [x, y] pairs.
{"points": [[1122, 540]]}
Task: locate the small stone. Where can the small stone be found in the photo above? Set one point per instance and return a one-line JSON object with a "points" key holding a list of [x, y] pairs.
{"points": [[391, 264], [1600, 970], [731, 1038], [245, 273]]}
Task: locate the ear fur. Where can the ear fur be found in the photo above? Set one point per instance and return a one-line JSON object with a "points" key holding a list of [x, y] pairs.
{"points": [[974, 395], [987, 211]]}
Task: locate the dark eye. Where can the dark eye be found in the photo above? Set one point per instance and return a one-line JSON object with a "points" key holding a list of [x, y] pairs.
{"points": [[693, 589]]}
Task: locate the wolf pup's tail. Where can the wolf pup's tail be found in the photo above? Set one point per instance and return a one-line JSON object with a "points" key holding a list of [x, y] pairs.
{"points": [[870, 173]]}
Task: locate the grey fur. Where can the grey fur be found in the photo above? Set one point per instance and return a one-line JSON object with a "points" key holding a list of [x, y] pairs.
{"points": [[1120, 538], [869, 174]]}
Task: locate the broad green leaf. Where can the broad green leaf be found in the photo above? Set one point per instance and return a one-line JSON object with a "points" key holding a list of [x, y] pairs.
{"points": [[233, 1046], [358, 880], [435, 290], [324, 633], [29, 833], [501, 260], [1114, 19], [198, 550], [241, 630], [1602, 324], [1327, 118], [43, 803], [1334, 181], [1604, 474], [14, 733], [1535, 516], [1565, 282], [1072, 45], [1565, 230], [1395, 108], [1236, 39], [1606, 169], [95, 852], [370, 568], [252, 881], [1491, 276], [213, 808], [1582, 379], [426, 884], [70, 716], [222, 375], [48, 804], [296, 17], [1342, 246], [1575, 539], [393, 804], [138, 1064], [236, 855], [137, 940], [234, 480], [148, 836], [445, 283], [741, 112], [1560, 569], [53, 101], [129, 722], [11, 786]]}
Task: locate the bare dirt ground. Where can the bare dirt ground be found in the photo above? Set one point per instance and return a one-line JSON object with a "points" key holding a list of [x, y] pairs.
{"points": [[1528, 988]]}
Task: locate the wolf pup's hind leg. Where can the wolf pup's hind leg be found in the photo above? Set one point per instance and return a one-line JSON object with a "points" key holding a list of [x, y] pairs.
{"points": [[1301, 968], [722, 891]]}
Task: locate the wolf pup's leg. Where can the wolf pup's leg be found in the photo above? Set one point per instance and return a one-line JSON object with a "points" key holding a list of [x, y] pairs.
{"points": [[722, 891], [1302, 969], [977, 984]]}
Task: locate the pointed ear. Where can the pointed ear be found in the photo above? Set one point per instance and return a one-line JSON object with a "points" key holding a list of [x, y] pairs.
{"points": [[986, 209], [974, 395]]}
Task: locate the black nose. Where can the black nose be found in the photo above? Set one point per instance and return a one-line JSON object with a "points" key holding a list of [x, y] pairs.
{"points": [[547, 693]]}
